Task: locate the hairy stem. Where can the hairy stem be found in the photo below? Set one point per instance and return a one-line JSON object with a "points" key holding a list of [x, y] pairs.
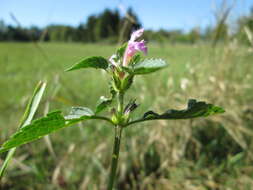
{"points": [[115, 156], [117, 138], [120, 103]]}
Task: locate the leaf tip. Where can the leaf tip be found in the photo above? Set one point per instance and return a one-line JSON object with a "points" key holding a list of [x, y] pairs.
{"points": [[68, 69]]}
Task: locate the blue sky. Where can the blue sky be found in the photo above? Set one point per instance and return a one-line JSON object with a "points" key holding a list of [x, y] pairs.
{"points": [[154, 14]]}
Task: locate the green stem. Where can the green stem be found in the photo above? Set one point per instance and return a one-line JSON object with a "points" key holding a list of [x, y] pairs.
{"points": [[117, 138], [115, 156], [120, 103]]}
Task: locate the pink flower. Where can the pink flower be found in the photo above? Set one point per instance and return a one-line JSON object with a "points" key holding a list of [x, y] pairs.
{"points": [[134, 46], [136, 34]]}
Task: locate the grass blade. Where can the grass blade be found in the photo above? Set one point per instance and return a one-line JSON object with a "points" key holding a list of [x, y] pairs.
{"points": [[26, 119]]}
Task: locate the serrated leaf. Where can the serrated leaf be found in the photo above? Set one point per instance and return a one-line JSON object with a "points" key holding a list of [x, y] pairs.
{"points": [[148, 66], [194, 109], [37, 129], [96, 62], [27, 117], [48, 124], [102, 104]]}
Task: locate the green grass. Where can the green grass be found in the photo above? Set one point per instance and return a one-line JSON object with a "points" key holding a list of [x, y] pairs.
{"points": [[199, 154]]}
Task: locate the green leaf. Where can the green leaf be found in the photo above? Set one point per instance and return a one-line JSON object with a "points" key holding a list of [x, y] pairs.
{"points": [[83, 113], [113, 92], [78, 112], [194, 109], [49, 124], [128, 69], [102, 104], [127, 82], [115, 84], [135, 59], [96, 62], [148, 66], [121, 50], [37, 129]]}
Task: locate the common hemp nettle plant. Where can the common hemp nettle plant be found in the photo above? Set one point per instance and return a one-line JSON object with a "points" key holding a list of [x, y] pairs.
{"points": [[123, 66]]}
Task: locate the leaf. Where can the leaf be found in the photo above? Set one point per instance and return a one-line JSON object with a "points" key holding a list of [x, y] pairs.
{"points": [[49, 124], [37, 129], [115, 84], [78, 112], [135, 59], [148, 66], [128, 69], [102, 104], [83, 113], [194, 109], [96, 62], [121, 50], [127, 82], [26, 119], [113, 92]]}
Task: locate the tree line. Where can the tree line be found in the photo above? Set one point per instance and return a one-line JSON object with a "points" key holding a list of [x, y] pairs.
{"points": [[109, 26], [105, 26]]}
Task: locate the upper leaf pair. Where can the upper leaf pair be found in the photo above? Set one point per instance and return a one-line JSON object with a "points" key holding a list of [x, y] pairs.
{"points": [[143, 67]]}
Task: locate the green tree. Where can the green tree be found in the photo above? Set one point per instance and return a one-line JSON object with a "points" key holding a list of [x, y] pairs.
{"points": [[91, 23]]}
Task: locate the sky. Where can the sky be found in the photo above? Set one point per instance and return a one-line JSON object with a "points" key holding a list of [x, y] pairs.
{"points": [[153, 14]]}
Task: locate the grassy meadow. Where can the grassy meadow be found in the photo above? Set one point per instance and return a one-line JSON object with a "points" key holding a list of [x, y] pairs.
{"points": [[201, 154]]}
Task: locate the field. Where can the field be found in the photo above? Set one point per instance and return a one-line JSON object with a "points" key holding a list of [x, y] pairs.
{"points": [[201, 154]]}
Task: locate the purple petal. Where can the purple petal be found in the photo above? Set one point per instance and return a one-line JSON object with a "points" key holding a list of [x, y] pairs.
{"points": [[133, 47], [136, 34], [141, 46]]}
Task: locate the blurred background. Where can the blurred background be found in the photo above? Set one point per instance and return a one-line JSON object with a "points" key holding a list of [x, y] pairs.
{"points": [[209, 45]]}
